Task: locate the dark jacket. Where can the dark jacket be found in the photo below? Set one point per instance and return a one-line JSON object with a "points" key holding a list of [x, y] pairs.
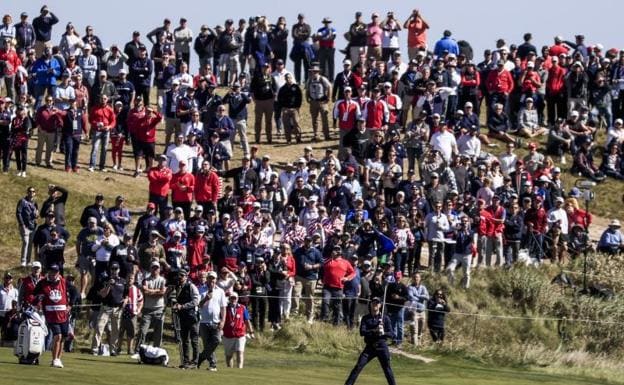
{"points": [[290, 96]]}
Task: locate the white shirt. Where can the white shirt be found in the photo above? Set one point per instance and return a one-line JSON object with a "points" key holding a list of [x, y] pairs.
{"points": [[186, 80], [7, 296], [103, 253], [469, 145], [210, 312], [445, 143], [558, 215], [175, 154], [198, 127], [508, 163], [401, 68]]}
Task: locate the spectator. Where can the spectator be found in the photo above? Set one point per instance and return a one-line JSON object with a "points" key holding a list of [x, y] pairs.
{"points": [[27, 213], [611, 241], [437, 308], [336, 271], [154, 289]]}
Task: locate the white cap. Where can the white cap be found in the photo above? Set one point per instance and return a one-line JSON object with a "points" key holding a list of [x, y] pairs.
{"points": [[347, 61], [36, 264], [530, 64], [468, 104], [86, 46]]}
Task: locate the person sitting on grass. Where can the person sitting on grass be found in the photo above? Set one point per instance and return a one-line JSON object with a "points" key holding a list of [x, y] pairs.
{"points": [[528, 121], [611, 241]]}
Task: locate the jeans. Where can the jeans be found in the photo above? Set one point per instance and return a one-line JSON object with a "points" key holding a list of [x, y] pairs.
{"points": [[285, 292], [160, 202], [332, 297], [397, 319], [21, 159], [27, 236], [511, 252], [40, 92], [326, 61], [189, 332], [5, 152], [494, 246], [400, 260], [72, 145], [277, 115], [258, 312], [348, 309], [155, 317], [211, 337], [99, 144], [436, 249], [9, 82]]}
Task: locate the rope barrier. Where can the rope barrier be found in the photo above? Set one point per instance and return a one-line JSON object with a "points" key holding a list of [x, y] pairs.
{"points": [[458, 313]]}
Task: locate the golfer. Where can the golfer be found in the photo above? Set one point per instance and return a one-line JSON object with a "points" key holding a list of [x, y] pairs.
{"points": [[376, 329]]}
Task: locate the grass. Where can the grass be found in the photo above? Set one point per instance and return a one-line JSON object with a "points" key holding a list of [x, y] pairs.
{"points": [[288, 367]]}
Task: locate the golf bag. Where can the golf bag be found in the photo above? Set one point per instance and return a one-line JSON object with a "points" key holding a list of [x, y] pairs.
{"points": [[30, 338], [151, 355]]}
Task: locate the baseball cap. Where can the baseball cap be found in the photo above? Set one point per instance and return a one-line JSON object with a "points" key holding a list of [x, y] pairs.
{"points": [[212, 274], [36, 264]]}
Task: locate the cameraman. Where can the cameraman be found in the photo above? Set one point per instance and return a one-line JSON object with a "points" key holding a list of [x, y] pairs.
{"points": [[114, 293], [212, 311], [187, 300]]}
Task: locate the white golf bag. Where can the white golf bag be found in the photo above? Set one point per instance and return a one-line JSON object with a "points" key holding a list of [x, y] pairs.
{"points": [[30, 338]]}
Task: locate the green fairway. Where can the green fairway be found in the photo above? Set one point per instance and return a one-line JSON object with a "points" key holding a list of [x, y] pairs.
{"points": [[272, 367]]}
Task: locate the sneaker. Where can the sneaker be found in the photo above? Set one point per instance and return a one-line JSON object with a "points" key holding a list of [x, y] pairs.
{"points": [[57, 363], [120, 168], [23, 174], [24, 264], [135, 356], [115, 167], [75, 169], [310, 321], [102, 169], [563, 159], [67, 169], [136, 174], [212, 368], [91, 169]]}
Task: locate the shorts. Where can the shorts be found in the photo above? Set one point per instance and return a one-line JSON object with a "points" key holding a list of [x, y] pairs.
{"points": [[233, 345], [59, 328], [229, 62], [143, 149], [172, 125], [129, 327], [228, 147], [86, 265]]}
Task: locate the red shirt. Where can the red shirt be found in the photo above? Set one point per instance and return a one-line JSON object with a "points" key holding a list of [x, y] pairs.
{"points": [[104, 115], [12, 61], [54, 300], [391, 100], [196, 249], [485, 223], [182, 187], [28, 286], [530, 79], [557, 50], [143, 125], [159, 179], [47, 119], [346, 112], [207, 187], [555, 83], [499, 82], [335, 270], [417, 33], [376, 114], [497, 228], [235, 317]]}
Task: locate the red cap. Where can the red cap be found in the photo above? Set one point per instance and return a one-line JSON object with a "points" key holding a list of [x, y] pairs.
{"points": [[350, 169], [151, 205], [532, 146]]}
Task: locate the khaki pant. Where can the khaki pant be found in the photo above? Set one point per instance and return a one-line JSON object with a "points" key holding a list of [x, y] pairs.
{"points": [[320, 108], [40, 47], [407, 106], [290, 118], [374, 51], [44, 139], [304, 287], [241, 130], [354, 54], [264, 108], [106, 315], [412, 51], [172, 127]]}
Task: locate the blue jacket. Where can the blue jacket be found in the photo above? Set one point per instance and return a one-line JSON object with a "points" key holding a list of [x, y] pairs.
{"points": [[43, 26], [369, 329], [26, 213], [311, 256], [446, 44], [418, 296], [42, 76]]}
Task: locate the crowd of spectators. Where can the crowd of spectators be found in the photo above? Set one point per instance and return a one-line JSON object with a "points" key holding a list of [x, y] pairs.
{"points": [[411, 171]]}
